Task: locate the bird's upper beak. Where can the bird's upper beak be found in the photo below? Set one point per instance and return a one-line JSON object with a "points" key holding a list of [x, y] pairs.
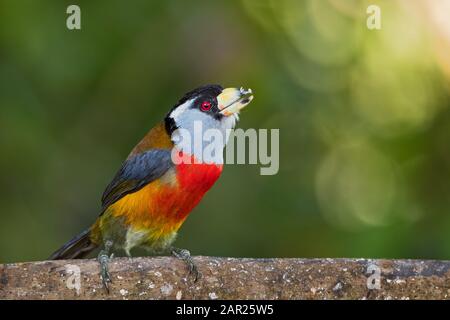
{"points": [[231, 100]]}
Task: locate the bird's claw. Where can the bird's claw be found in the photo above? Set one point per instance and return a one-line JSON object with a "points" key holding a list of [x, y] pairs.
{"points": [[103, 259], [185, 255], [106, 279], [193, 271]]}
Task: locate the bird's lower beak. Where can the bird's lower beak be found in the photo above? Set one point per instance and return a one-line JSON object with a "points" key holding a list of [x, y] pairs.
{"points": [[231, 100]]}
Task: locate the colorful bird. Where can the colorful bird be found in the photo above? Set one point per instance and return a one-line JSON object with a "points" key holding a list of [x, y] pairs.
{"points": [[164, 177]]}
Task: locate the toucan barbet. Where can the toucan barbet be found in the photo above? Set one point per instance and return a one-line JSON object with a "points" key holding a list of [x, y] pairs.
{"points": [[151, 195]]}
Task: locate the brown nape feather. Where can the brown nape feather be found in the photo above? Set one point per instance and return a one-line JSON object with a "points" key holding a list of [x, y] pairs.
{"points": [[77, 248], [156, 138]]}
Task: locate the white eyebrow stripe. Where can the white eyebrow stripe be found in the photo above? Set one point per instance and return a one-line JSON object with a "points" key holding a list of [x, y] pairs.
{"points": [[175, 114]]}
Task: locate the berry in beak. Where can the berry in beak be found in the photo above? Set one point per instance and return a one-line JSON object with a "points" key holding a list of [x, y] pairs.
{"points": [[232, 100]]}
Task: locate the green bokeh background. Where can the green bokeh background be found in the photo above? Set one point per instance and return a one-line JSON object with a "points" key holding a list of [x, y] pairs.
{"points": [[364, 119]]}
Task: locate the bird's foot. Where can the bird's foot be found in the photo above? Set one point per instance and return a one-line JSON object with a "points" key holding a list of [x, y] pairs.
{"points": [[185, 255], [104, 258]]}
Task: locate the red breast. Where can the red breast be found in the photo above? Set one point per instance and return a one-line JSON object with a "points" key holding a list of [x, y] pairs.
{"points": [[194, 180]]}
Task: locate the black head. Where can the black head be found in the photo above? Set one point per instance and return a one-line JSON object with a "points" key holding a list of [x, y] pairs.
{"points": [[210, 104]]}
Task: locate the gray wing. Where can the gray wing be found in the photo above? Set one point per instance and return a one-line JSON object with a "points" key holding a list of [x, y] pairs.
{"points": [[136, 173]]}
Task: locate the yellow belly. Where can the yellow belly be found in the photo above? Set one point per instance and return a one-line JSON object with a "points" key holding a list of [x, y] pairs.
{"points": [[147, 218]]}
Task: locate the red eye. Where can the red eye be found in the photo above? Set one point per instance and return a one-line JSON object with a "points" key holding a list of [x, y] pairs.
{"points": [[206, 106]]}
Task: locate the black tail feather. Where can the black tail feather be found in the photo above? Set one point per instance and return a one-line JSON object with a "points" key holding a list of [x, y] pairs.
{"points": [[77, 248]]}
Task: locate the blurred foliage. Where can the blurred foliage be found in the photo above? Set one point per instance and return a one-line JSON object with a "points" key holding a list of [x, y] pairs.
{"points": [[364, 120]]}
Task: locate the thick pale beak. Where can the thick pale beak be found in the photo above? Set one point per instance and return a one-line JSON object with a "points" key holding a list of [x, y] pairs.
{"points": [[231, 100]]}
